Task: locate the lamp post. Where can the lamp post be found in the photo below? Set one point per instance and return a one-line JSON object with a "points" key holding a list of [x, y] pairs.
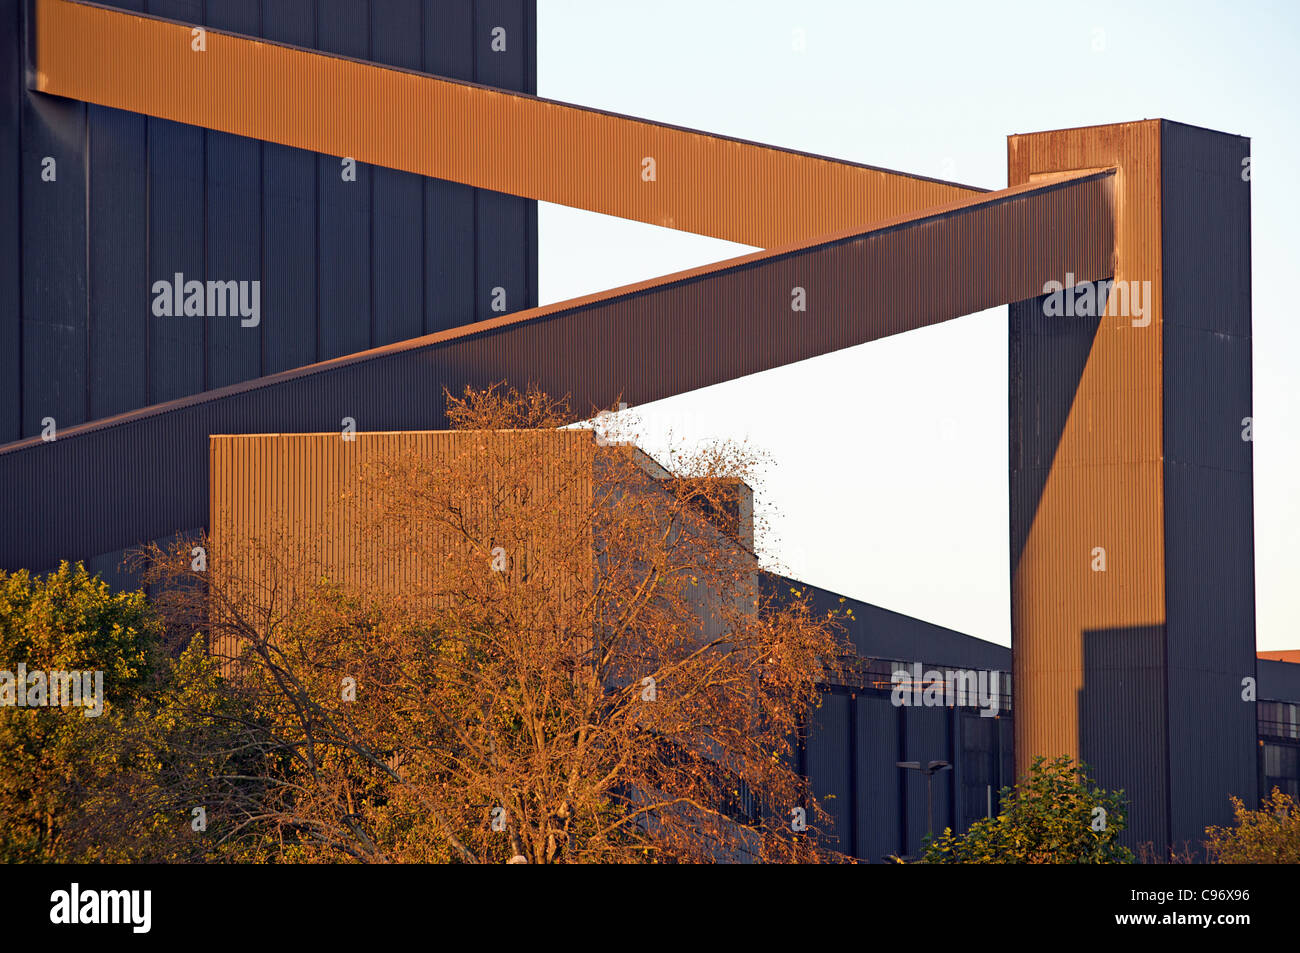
{"points": [[930, 770]]}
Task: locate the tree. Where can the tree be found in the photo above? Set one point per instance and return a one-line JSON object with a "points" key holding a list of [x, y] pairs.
{"points": [[1054, 815], [103, 723], [1270, 835], [538, 647], [53, 749]]}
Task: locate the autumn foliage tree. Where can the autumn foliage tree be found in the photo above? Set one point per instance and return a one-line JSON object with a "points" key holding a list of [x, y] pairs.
{"points": [[1055, 814], [120, 784], [1269, 835], [539, 646]]}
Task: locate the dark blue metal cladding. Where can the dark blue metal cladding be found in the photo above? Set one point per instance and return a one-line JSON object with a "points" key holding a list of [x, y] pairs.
{"points": [[927, 739], [53, 254], [881, 633], [233, 233], [342, 265], [176, 238], [877, 750], [289, 293], [449, 208], [176, 163], [398, 237], [12, 70], [448, 258], [1208, 495], [1279, 681], [118, 260], [505, 275], [1126, 687], [345, 206], [828, 764], [883, 811], [979, 767]]}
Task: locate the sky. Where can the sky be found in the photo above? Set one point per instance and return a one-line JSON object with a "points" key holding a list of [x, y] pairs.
{"points": [[888, 473]]}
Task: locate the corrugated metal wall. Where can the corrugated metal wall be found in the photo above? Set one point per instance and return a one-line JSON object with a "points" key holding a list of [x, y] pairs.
{"points": [[144, 476], [1279, 681], [287, 507], [858, 735], [1208, 475], [343, 265], [1093, 483], [1126, 437], [477, 136], [12, 99]]}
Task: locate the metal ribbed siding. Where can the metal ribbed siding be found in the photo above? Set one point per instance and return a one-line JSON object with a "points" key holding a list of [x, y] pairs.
{"points": [[476, 136], [144, 476], [882, 633], [138, 199], [1209, 511], [828, 764], [118, 260], [863, 760], [308, 487], [53, 255], [878, 754], [928, 737], [290, 215], [12, 65], [1279, 681], [1130, 669], [1103, 486], [306, 490]]}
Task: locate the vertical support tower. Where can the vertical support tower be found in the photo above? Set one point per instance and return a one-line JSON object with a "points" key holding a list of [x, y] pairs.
{"points": [[1132, 539]]}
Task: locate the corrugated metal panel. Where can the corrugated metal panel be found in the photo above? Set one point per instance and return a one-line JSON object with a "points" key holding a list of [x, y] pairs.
{"points": [[1122, 711], [176, 235], [289, 228], [979, 778], [1278, 680], [927, 738], [12, 80], [53, 255], [166, 198], [884, 634], [1127, 437], [487, 138], [397, 245], [502, 282], [1103, 487], [644, 342], [1209, 511], [878, 754], [289, 220], [301, 501], [118, 258], [979, 748], [344, 205], [828, 766], [232, 242]]}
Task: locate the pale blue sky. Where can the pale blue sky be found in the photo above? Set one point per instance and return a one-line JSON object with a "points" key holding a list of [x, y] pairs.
{"points": [[890, 480]]}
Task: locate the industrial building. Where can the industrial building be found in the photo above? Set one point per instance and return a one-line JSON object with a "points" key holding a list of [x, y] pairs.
{"points": [[232, 218]]}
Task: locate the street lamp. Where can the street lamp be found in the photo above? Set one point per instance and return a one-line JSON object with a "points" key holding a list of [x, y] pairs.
{"points": [[930, 770]]}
